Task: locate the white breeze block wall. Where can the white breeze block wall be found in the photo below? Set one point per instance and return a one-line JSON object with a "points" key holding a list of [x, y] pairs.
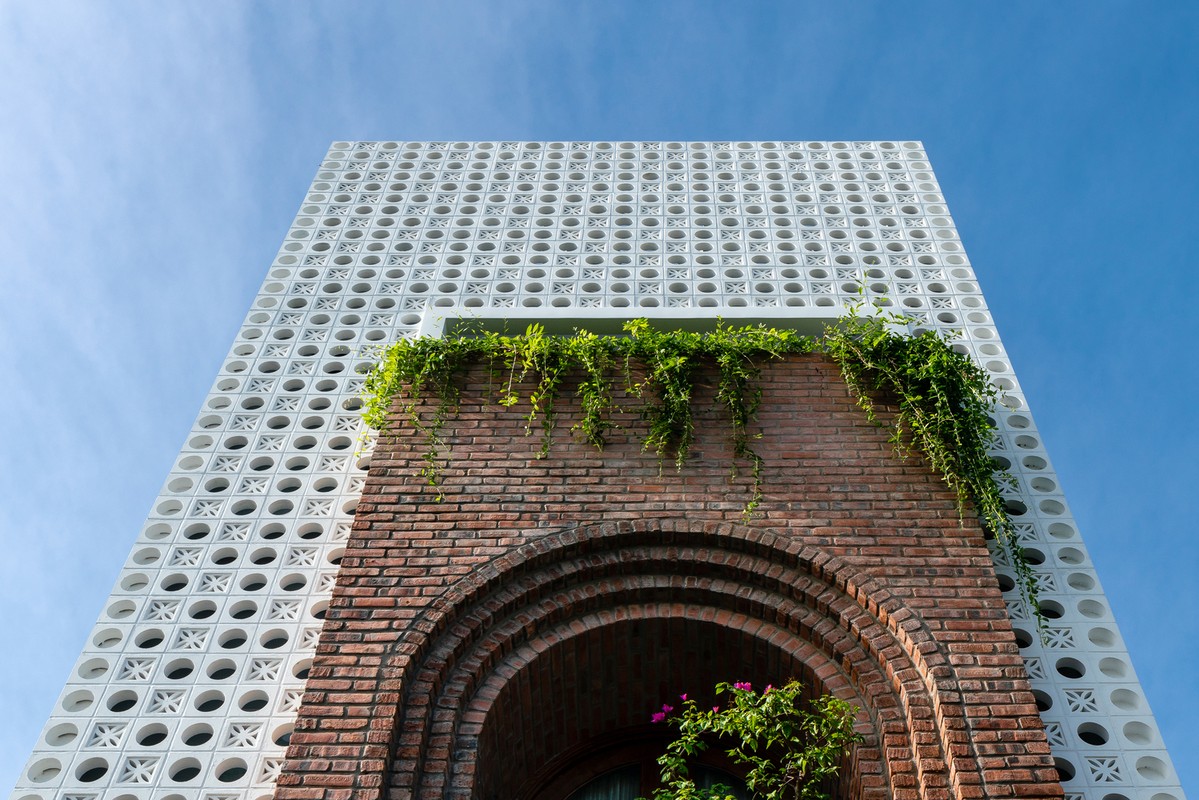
{"points": [[187, 687]]}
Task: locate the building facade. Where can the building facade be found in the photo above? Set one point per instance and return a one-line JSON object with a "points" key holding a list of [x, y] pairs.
{"points": [[191, 682]]}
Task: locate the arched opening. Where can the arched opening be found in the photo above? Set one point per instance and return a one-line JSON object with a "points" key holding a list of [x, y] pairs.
{"points": [[572, 720], [538, 673]]}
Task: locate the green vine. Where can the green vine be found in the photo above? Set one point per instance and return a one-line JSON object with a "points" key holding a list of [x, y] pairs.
{"points": [[658, 367], [944, 410], [943, 398]]}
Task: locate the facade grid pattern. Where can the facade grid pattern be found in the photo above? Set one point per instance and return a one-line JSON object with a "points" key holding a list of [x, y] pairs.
{"points": [[188, 685]]}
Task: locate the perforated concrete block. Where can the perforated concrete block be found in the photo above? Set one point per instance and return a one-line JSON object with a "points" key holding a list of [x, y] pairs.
{"points": [[188, 685]]}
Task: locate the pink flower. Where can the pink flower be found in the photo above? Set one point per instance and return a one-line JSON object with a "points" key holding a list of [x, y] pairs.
{"points": [[657, 717], [667, 709], [769, 688], [715, 709], [745, 687], [683, 697]]}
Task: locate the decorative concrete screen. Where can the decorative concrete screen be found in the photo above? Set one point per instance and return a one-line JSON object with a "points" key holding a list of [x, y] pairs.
{"points": [[189, 684]]}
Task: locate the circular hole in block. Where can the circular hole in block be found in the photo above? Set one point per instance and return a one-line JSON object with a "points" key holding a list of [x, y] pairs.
{"points": [[184, 770], [79, 700], [1093, 733], [150, 735], [1126, 700], [1151, 768], [230, 770], [91, 770], [1114, 667], [1138, 733], [62, 734]]}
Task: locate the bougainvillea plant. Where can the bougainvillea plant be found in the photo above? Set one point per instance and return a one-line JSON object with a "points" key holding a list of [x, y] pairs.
{"points": [[790, 748]]}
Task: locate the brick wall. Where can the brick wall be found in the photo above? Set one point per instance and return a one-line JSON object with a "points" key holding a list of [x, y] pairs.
{"points": [[513, 638]]}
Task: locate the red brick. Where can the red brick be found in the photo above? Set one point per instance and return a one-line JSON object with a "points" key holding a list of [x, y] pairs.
{"points": [[543, 609]]}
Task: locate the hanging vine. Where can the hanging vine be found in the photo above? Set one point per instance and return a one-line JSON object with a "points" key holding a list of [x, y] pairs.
{"points": [[944, 402], [943, 398]]}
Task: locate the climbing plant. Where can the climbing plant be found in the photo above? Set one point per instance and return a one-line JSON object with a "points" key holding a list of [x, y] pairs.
{"points": [[943, 399], [655, 366]]}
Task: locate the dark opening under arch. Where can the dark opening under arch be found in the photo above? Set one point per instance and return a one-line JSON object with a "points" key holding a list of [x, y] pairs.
{"points": [[569, 714]]}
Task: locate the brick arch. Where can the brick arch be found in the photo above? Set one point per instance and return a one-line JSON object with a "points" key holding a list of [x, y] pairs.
{"points": [[856, 639], [854, 550]]}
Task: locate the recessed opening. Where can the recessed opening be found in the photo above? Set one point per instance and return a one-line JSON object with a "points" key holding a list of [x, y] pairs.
{"points": [[273, 639], [92, 668], [1113, 667], [1070, 668], [1051, 609], [148, 639], [1126, 700], [1093, 734], [243, 609], [122, 701], [231, 770], [222, 669], [91, 770], [231, 640], [78, 700], [1138, 733], [184, 770], [253, 701], [179, 669], [61, 735], [282, 735], [209, 701], [1151, 768], [151, 735], [196, 735], [202, 610], [44, 770]]}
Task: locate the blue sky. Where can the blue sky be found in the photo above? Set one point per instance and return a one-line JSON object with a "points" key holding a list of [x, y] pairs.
{"points": [[154, 154]]}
